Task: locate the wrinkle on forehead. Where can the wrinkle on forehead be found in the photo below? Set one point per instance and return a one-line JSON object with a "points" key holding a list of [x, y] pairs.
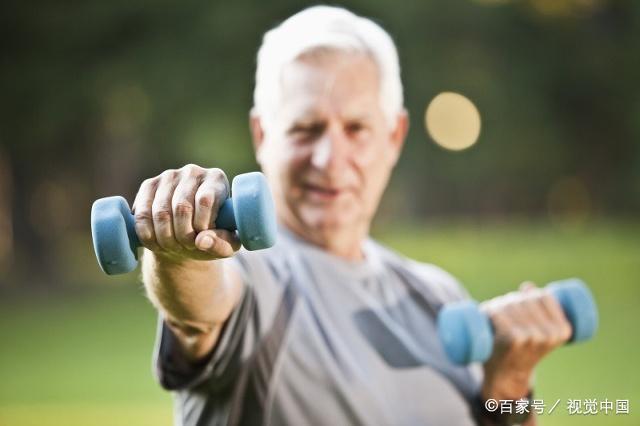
{"points": [[321, 75], [338, 62]]}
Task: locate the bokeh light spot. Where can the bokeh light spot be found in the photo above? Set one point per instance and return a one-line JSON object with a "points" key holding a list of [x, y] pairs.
{"points": [[453, 121]]}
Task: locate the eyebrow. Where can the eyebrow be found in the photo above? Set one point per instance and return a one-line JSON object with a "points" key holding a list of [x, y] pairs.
{"points": [[312, 116], [360, 117]]}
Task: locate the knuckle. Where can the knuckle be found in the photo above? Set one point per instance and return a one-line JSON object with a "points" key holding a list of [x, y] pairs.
{"points": [[142, 216], [219, 175], [205, 200], [183, 208], [168, 174], [217, 172], [192, 169], [538, 295], [149, 182], [162, 214], [522, 305]]}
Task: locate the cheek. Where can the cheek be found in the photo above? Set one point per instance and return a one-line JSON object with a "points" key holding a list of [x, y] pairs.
{"points": [[373, 160], [368, 154], [377, 150], [292, 163], [374, 165]]}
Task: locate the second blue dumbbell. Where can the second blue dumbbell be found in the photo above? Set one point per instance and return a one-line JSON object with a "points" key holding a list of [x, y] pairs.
{"points": [[467, 333]]}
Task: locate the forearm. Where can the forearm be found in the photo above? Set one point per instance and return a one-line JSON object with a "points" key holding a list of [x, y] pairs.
{"points": [[195, 298], [504, 412], [507, 389], [512, 385]]}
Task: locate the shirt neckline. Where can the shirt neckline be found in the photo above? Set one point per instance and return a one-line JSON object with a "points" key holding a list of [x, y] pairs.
{"points": [[363, 268]]}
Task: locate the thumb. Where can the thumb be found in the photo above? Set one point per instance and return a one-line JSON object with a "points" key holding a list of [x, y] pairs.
{"points": [[218, 242]]}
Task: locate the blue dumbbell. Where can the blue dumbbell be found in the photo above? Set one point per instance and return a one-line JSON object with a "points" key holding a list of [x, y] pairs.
{"points": [[467, 333], [250, 212]]}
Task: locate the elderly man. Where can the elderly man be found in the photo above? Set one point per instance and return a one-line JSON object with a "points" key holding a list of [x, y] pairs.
{"points": [[328, 326]]}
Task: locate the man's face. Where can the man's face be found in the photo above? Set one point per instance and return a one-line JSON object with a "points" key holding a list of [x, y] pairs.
{"points": [[329, 149]]}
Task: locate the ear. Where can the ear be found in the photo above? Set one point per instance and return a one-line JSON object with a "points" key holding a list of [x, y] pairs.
{"points": [[257, 133], [399, 133]]}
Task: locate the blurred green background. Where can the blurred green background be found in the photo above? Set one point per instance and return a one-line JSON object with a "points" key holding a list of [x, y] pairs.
{"points": [[96, 96]]}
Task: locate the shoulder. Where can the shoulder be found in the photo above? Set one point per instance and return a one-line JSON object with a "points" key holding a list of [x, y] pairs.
{"points": [[424, 274]]}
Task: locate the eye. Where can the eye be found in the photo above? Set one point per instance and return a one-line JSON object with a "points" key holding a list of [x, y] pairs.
{"points": [[355, 128], [307, 131]]}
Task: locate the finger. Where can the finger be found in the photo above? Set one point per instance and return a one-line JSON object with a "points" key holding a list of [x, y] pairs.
{"points": [[527, 286], [535, 322], [182, 206], [143, 214], [162, 212], [213, 191], [515, 322], [218, 243], [509, 334], [547, 329], [498, 303], [562, 328]]}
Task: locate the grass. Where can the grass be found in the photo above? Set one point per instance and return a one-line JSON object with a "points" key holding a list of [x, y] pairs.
{"points": [[84, 356], [80, 359]]}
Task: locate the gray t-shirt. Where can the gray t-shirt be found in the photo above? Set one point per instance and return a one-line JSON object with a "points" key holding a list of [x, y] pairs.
{"points": [[319, 340]]}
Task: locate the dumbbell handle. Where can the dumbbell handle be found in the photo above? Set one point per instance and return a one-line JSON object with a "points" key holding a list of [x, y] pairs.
{"points": [[467, 334]]}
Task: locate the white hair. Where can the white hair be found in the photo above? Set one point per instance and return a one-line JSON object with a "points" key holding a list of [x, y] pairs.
{"points": [[333, 28]]}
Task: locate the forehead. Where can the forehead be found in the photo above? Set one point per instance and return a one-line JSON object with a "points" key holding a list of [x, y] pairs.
{"points": [[325, 81]]}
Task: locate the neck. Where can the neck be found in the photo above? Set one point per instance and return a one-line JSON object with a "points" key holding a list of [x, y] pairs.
{"points": [[345, 242]]}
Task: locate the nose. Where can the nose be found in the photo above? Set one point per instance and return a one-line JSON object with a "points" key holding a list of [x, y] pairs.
{"points": [[329, 152]]}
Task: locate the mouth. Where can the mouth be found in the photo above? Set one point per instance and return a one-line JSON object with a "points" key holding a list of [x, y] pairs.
{"points": [[322, 193]]}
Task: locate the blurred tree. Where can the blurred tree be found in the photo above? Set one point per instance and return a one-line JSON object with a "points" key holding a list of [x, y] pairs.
{"points": [[98, 95], [6, 217]]}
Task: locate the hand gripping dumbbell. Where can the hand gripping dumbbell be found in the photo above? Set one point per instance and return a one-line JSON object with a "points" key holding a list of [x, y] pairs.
{"points": [[250, 211], [467, 333]]}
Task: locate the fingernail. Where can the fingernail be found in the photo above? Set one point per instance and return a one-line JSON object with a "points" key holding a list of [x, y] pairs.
{"points": [[206, 242]]}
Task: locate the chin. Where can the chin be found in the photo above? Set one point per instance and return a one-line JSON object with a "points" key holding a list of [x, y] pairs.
{"points": [[328, 220]]}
